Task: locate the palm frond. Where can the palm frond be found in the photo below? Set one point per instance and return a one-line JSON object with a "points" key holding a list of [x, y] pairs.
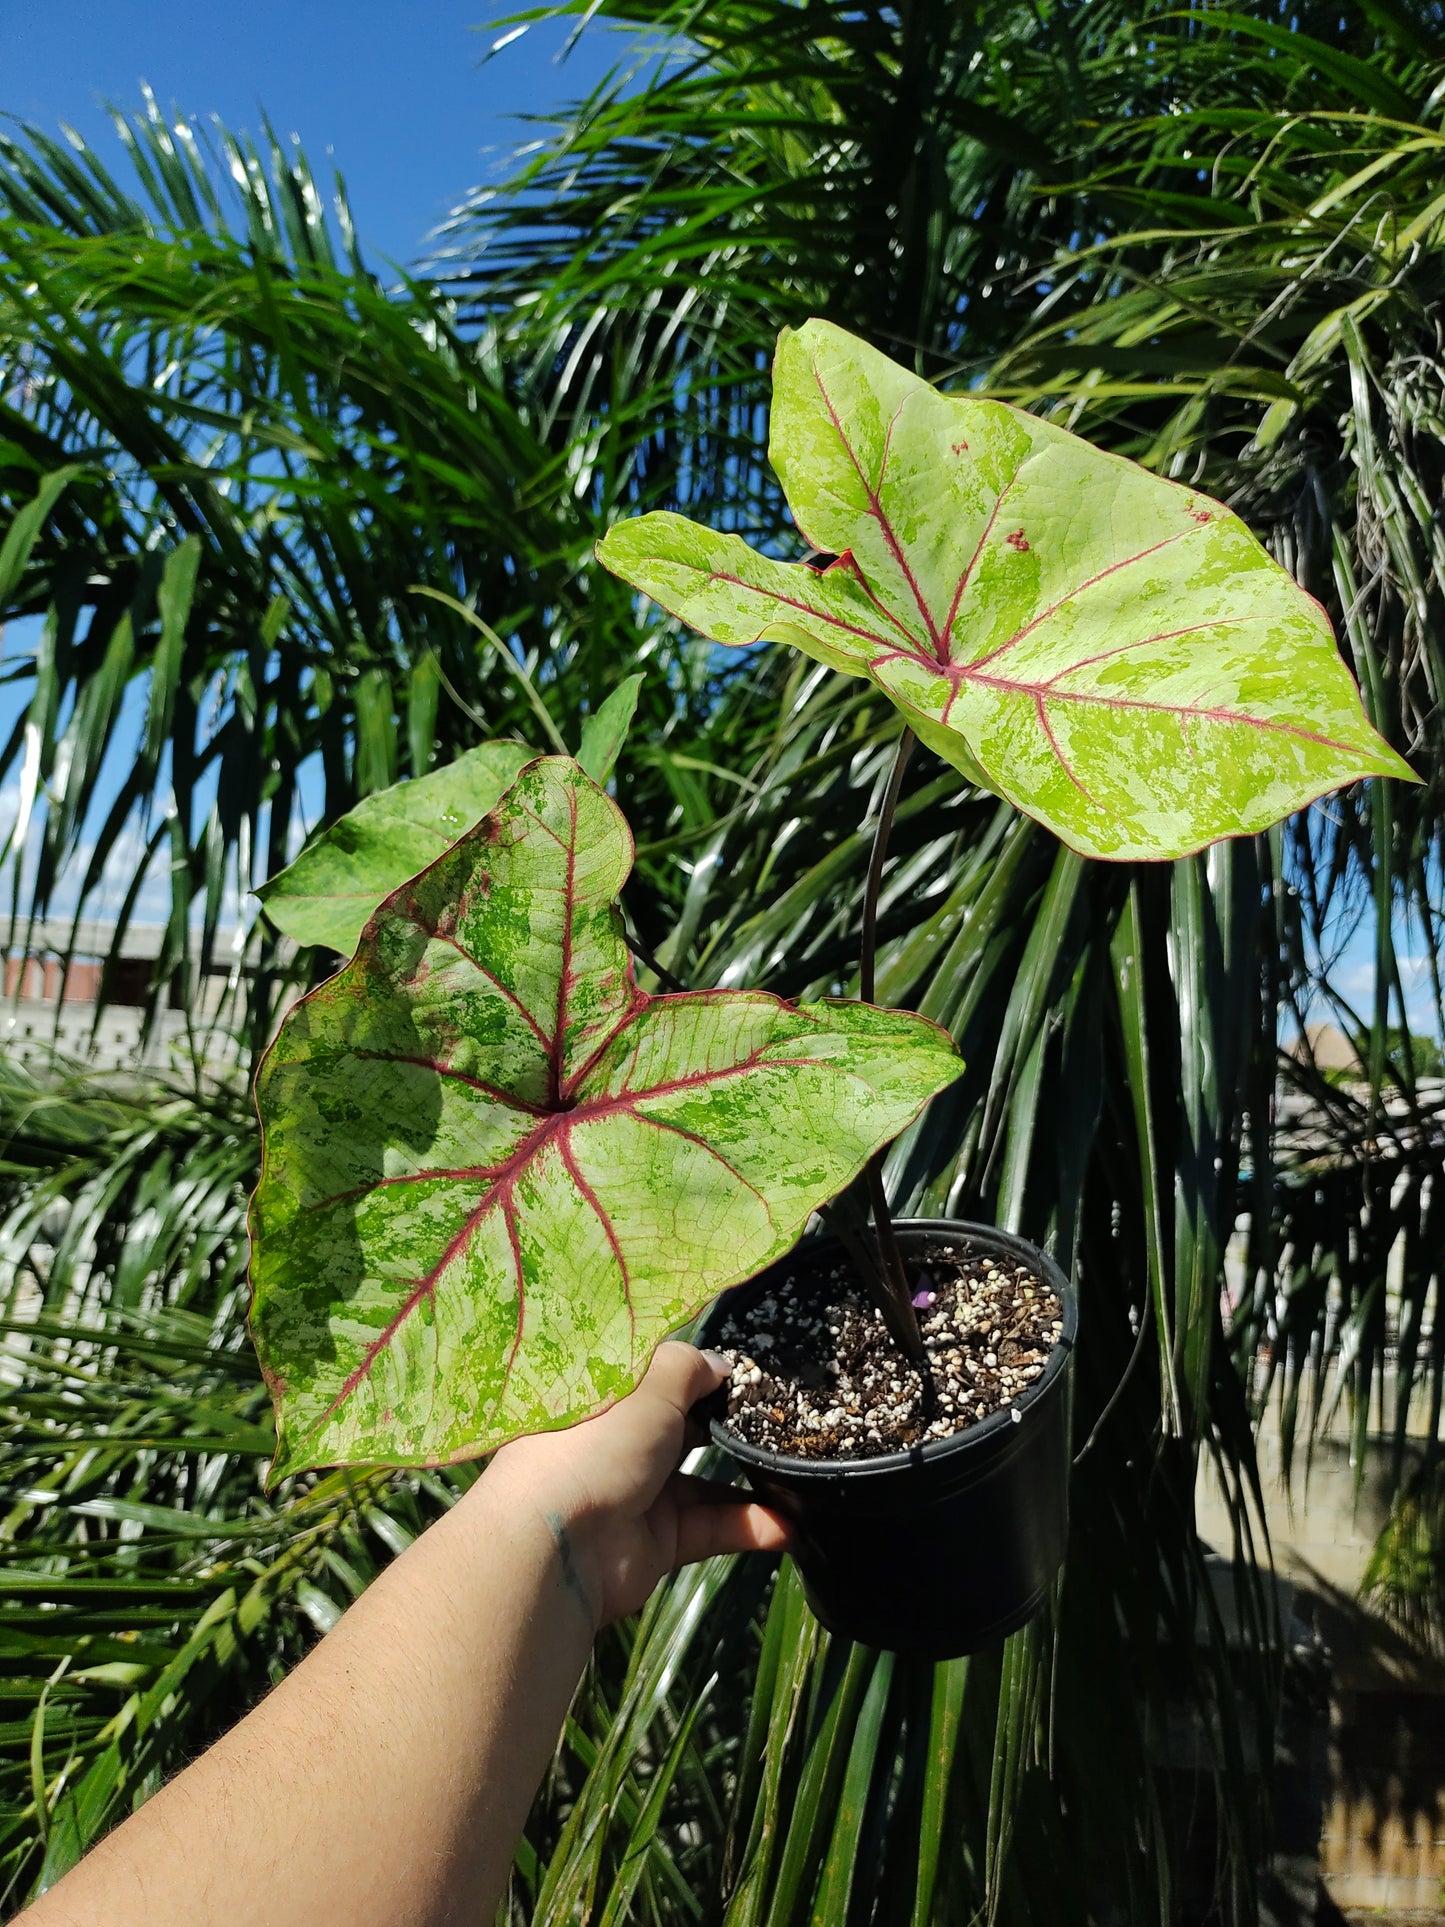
{"points": [[1306, 384], [228, 460]]}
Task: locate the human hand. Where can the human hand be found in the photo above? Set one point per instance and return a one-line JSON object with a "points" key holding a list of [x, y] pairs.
{"points": [[608, 1490]]}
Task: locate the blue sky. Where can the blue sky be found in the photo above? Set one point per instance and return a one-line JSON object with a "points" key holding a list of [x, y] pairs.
{"points": [[399, 93]]}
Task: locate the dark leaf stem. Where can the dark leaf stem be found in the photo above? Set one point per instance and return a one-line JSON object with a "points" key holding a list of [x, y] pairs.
{"points": [[847, 1219], [896, 1301], [645, 957], [868, 947]]}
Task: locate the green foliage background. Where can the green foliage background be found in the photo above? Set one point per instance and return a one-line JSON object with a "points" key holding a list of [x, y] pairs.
{"points": [[1208, 237]]}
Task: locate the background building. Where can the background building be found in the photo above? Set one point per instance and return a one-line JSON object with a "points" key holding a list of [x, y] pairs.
{"points": [[52, 1007]]}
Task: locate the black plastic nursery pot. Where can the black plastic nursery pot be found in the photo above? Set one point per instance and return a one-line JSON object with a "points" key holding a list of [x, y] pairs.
{"points": [[942, 1549]]}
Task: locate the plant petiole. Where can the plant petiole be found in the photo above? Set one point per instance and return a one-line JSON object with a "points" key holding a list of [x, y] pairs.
{"points": [[888, 1278]]}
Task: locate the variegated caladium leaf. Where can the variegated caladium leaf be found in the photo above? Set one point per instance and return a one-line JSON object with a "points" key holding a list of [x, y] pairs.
{"points": [[495, 1173], [327, 894], [1115, 654]]}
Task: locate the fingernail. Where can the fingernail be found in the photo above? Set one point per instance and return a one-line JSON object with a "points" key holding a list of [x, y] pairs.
{"points": [[719, 1363]]}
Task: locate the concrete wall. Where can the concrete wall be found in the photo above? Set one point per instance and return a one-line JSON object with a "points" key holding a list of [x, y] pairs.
{"points": [[49, 1009], [1382, 1841]]}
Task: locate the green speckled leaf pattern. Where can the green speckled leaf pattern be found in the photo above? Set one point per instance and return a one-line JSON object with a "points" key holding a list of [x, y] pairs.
{"points": [[495, 1173], [327, 894], [1115, 654]]}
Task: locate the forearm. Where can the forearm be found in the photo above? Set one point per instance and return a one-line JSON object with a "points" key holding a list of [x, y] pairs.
{"points": [[387, 1779]]}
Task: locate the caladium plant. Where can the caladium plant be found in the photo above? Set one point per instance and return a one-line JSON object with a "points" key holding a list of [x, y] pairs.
{"points": [[1115, 654], [495, 1172]]}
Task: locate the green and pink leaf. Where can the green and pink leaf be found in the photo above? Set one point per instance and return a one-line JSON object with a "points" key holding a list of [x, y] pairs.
{"points": [[495, 1173], [1115, 654]]}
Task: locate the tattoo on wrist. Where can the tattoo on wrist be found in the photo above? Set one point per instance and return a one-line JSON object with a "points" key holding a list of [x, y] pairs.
{"points": [[571, 1578]]}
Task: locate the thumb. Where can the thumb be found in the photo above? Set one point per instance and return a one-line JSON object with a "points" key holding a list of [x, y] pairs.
{"points": [[646, 1433], [680, 1375]]}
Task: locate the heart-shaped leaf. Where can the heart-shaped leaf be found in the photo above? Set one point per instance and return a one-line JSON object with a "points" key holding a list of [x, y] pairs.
{"points": [[328, 893], [1113, 653], [495, 1173]]}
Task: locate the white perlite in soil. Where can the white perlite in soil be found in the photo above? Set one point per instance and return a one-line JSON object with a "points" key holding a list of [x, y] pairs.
{"points": [[816, 1375]]}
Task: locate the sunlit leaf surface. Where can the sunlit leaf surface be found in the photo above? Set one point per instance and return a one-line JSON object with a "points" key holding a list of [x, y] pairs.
{"points": [[1115, 654], [327, 894], [495, 1173]]}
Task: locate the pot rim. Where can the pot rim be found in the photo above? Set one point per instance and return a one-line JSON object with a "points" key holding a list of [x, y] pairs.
{"points": [[983, 1430]]}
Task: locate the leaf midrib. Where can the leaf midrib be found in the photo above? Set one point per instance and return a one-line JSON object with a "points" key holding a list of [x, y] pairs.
{"points": [[1048, 690], [503, 1179], [587, 1111], [873, 491], [942, 662]]}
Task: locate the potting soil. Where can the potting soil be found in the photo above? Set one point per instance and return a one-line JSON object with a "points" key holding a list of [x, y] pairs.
{"points": [[817, 1376]]}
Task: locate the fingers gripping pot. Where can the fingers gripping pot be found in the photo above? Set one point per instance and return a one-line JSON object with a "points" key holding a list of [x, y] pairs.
{"points": [[942, 1549]]}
